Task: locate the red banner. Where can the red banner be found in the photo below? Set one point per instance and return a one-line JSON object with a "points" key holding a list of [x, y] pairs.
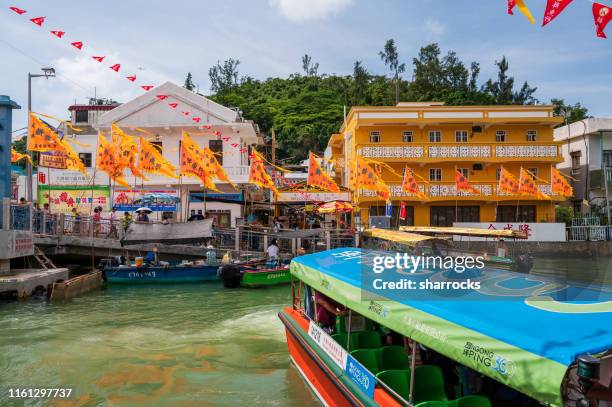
{"points": [[602, 15], [553, 9]]}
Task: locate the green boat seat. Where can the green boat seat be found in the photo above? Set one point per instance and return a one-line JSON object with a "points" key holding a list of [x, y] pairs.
{"points": [[397, 380], [432, 404], [368, 340], [428, 384], [367, 357], [342, 340], [470, 401], [393, 357]]}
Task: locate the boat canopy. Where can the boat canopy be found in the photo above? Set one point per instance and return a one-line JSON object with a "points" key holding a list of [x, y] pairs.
{"points": [[409, 239], [512, 234], [518, 329], [168, 233]]}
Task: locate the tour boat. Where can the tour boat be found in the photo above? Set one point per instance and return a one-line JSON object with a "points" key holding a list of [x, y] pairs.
{"points": [[254, 274], [540, 340], [181, 273]]}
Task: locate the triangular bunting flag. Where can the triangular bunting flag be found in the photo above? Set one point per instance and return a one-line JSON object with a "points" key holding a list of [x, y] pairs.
{"points": [[58, 34], [173, 105], [38, 20], [77, 44], [185, 113], [99, 59], [196, 119], [162, 97], [602, 15], [147, 87], [317, 177], [18, 10], [553, 9], [131, 78], [116, 67]]}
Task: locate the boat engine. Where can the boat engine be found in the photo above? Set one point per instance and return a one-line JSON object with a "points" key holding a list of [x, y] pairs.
{"points": [[230, 275]]}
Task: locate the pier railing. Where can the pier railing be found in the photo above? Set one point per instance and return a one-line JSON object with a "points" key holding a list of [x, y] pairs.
{"points": [[589, 233]]}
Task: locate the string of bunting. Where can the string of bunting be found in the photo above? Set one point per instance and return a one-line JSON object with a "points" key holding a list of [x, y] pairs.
{"points": [[602, 14]]}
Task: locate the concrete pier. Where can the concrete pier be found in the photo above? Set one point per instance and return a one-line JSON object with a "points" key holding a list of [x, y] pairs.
{"points": [[25, 281]]}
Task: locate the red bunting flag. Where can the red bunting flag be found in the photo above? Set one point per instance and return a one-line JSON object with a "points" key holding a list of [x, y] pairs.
{"points": [[162, 97], [602, 15], [58, 34], [522, 8], [511, 5], [99, 59], [18, 10], [116, 67], [173, 105], [38, 21], [235, 145], [77, 44], [131, 78], [243, 150], [208, 126], [218, 133], [196, 119], [226, 139], [147, 87], [185, 113], [553, 9]]}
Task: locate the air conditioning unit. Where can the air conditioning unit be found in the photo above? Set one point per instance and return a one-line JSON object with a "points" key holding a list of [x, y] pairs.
{"points": [[476, 129], [477, 167]]}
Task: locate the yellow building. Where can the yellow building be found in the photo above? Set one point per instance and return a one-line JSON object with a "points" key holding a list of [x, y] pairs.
{"points": [[433, 140]]}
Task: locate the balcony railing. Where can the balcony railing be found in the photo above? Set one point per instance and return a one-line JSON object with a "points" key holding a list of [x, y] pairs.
{"points": [[448, 190], [462, 151]]}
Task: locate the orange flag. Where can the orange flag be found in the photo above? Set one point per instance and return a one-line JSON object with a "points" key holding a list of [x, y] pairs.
{"points": [[258, 174], [212, 166], [15, 156], [410, 185], [127, 151], [462, 184], [106, 160], [318, 178], [508, 182], [42, 137], [151, 161], [367, 178], [560, 184], [527, 185], [73, 162], [192, 162]]}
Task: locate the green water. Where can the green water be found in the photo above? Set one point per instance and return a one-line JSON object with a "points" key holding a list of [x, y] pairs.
{"points": [[170, 345]]}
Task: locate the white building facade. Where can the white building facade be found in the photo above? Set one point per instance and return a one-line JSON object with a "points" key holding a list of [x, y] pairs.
{"points": [[157, 120]]}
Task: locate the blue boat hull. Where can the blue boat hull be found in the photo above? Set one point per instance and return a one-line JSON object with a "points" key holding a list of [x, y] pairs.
{"points": [[136, 275]]}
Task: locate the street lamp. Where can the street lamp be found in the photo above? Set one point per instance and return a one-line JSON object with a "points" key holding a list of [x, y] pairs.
{"points": [[48, 72]]}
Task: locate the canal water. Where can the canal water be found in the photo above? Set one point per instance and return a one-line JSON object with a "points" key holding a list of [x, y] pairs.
{"points": [[170, 345]]}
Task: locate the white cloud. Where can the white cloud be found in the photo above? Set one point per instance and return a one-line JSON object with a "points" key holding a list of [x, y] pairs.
{"points": [[435, 27], [305, 10]]}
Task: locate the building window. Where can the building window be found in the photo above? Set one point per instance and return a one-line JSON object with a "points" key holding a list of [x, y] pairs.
{"points": [[500, 136], [576, 161], [81, 116], [512, 213], [447, 215], [216, 146], [85, 159], [464, 172], [435, 136], [532, 135], [607, 158], [375, 137], [461, 136], [407, 137], [435, 174], [160, 146], [533, 170]]}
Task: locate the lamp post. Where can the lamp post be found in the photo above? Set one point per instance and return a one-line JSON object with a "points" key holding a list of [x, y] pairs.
{"points": [[47, 73]]}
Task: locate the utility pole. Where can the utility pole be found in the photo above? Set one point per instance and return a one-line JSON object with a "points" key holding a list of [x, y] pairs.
{"points": [[47, 73], [604, 171], [273, 147]]}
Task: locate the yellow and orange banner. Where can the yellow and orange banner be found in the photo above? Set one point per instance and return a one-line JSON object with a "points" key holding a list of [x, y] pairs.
{"points": [[527, 185], [410, 184], [41, 137], [192, 162], [368, 178], [318, 178], [560, 185], [151, 161], [258, 175], [462, 184], [16, 156], [508, 182]]}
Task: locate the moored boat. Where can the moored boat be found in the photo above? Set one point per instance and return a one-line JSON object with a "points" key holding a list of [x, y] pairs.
{"points": [[181, 273], [525, 337], [264, 277]]}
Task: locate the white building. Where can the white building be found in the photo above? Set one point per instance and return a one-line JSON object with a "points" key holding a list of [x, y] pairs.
{"points": [[220, 128], [587, 153]]}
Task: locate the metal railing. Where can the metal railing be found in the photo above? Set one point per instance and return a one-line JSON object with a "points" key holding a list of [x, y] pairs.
{"points": [[589, 233]]}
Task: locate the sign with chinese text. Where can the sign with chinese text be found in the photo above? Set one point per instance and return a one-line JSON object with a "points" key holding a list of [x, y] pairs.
{"points": [[536, 232], [52, 159], [158, 200], [63, 198], [304, 196]]}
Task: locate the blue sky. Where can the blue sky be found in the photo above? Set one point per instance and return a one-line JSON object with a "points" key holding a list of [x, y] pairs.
{"points": [[160, 40]]}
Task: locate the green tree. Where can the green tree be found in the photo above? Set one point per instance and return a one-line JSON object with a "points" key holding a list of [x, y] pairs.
{"points": [[310, 68], [390, 57], [360, 81], [224, 77], [189, 82], [571, 113], [501, 91]]}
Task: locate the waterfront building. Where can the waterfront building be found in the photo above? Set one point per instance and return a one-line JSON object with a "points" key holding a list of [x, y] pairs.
{"points": [[222, 129], [434, 140], [586, 147]]}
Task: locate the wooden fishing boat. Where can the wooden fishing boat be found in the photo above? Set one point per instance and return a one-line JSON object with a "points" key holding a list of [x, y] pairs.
{"points": [[264, 277], [502, 332], [181, 273]]}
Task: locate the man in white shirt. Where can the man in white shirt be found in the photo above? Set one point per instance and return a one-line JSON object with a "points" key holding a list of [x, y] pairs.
{"points": [[272, 252]]}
